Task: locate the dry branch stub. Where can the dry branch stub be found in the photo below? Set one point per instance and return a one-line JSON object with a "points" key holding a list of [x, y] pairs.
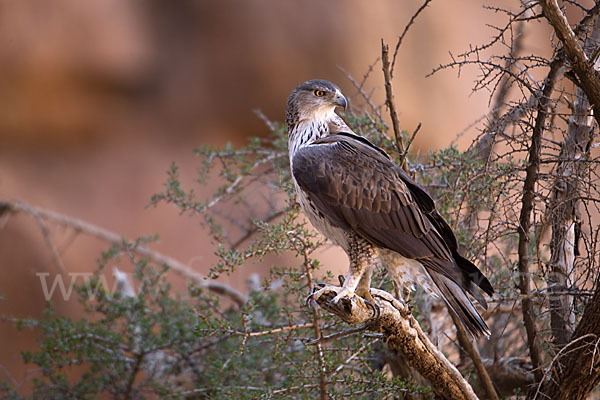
{"points": [[402, 333]]}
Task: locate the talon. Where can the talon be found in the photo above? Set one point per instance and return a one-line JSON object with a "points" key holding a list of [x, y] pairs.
{"points": [[309, 300], [341, 279], [313, 290], [376, 310]]}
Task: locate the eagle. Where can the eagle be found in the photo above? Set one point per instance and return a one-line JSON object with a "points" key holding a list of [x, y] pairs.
{"points": [[357, 197]]}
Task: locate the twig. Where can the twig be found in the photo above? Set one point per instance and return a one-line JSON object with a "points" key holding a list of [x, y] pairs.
{"points": [[286, 328], [353, 356], [362, 92], [401, 37], [486, 144], [574, 380], [389, 98], [338, 335], [254, 228], [111, 237], [318, 334], [270, 124], [556, 357], [35, 214], [412, 137]]}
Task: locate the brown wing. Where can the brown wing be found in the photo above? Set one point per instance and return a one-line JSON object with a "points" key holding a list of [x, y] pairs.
{"points": [[357, 187]]}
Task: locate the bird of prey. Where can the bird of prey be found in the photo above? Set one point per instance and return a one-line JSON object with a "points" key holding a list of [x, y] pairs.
{"points": [[355, 195]]}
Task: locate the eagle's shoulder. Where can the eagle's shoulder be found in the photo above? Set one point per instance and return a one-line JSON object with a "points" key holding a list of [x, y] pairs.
{"points": [[348, 170], [359, 152]]}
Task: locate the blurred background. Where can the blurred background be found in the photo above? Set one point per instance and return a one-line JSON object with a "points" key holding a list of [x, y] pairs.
{"points": [[97, 98]]}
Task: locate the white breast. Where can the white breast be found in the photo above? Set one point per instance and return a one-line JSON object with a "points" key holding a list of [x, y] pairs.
{"points": [[337, 235]]}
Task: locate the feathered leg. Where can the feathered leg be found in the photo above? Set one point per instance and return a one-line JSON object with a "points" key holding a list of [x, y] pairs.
{"points": [[362, 257]]}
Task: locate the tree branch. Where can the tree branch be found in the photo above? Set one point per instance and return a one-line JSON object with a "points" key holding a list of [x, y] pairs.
{"points": [[412, 137], [401, 37], [575, 374], [389, 99], [317, 328], [572, 163], [526, 209], [402, 333], [589, 81], [466, 343], [111, 237], [485, 145]]}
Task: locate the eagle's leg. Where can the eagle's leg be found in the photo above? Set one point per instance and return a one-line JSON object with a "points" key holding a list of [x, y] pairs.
{"points": [[364, 285], [362, 257]]}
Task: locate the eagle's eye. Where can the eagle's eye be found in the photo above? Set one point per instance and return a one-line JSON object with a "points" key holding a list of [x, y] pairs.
{"points": [[319, 93]]}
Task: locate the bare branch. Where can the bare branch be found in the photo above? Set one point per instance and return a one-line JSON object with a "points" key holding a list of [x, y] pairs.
{"points": [[360, 89], [525, 217], [485, 145], [317, 328], [111, 237], [401, 37], [579, 371], [270, 124], [389, 96], [467, 344], [572, 162], [589, 81], [337, 335], [412, 137], [402, 333]]}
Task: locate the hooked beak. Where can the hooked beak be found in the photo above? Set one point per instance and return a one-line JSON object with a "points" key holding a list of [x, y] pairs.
{"points": [[340, 100]]}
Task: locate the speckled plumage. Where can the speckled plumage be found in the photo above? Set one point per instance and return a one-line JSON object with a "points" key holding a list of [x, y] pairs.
{"points": [[357, 197]]}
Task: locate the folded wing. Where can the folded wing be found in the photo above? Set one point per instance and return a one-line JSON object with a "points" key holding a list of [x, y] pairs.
{"points": [[356, 186]]}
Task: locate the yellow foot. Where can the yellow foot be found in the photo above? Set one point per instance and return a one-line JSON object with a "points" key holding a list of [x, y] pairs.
{"points": [[365, 294]]}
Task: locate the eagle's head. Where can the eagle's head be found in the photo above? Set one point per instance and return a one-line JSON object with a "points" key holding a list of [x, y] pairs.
{"points": [[314, 100]]}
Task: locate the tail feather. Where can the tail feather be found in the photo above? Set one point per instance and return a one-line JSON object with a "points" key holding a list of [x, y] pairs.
{"points": [[473, 274], [460, 305]]}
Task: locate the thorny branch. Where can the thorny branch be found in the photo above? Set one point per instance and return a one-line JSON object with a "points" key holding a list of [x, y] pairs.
{"points": [[564, 215], [412, 137], [317, 328], [401, 37], [534, 129], [485, 144], [365, 96], [526, 209]]}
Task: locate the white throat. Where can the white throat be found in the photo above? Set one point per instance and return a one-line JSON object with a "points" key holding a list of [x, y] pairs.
{"points": [[306, 132]]}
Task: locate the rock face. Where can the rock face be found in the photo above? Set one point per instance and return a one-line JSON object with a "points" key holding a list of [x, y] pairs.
{"points": [[75, 72]]}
